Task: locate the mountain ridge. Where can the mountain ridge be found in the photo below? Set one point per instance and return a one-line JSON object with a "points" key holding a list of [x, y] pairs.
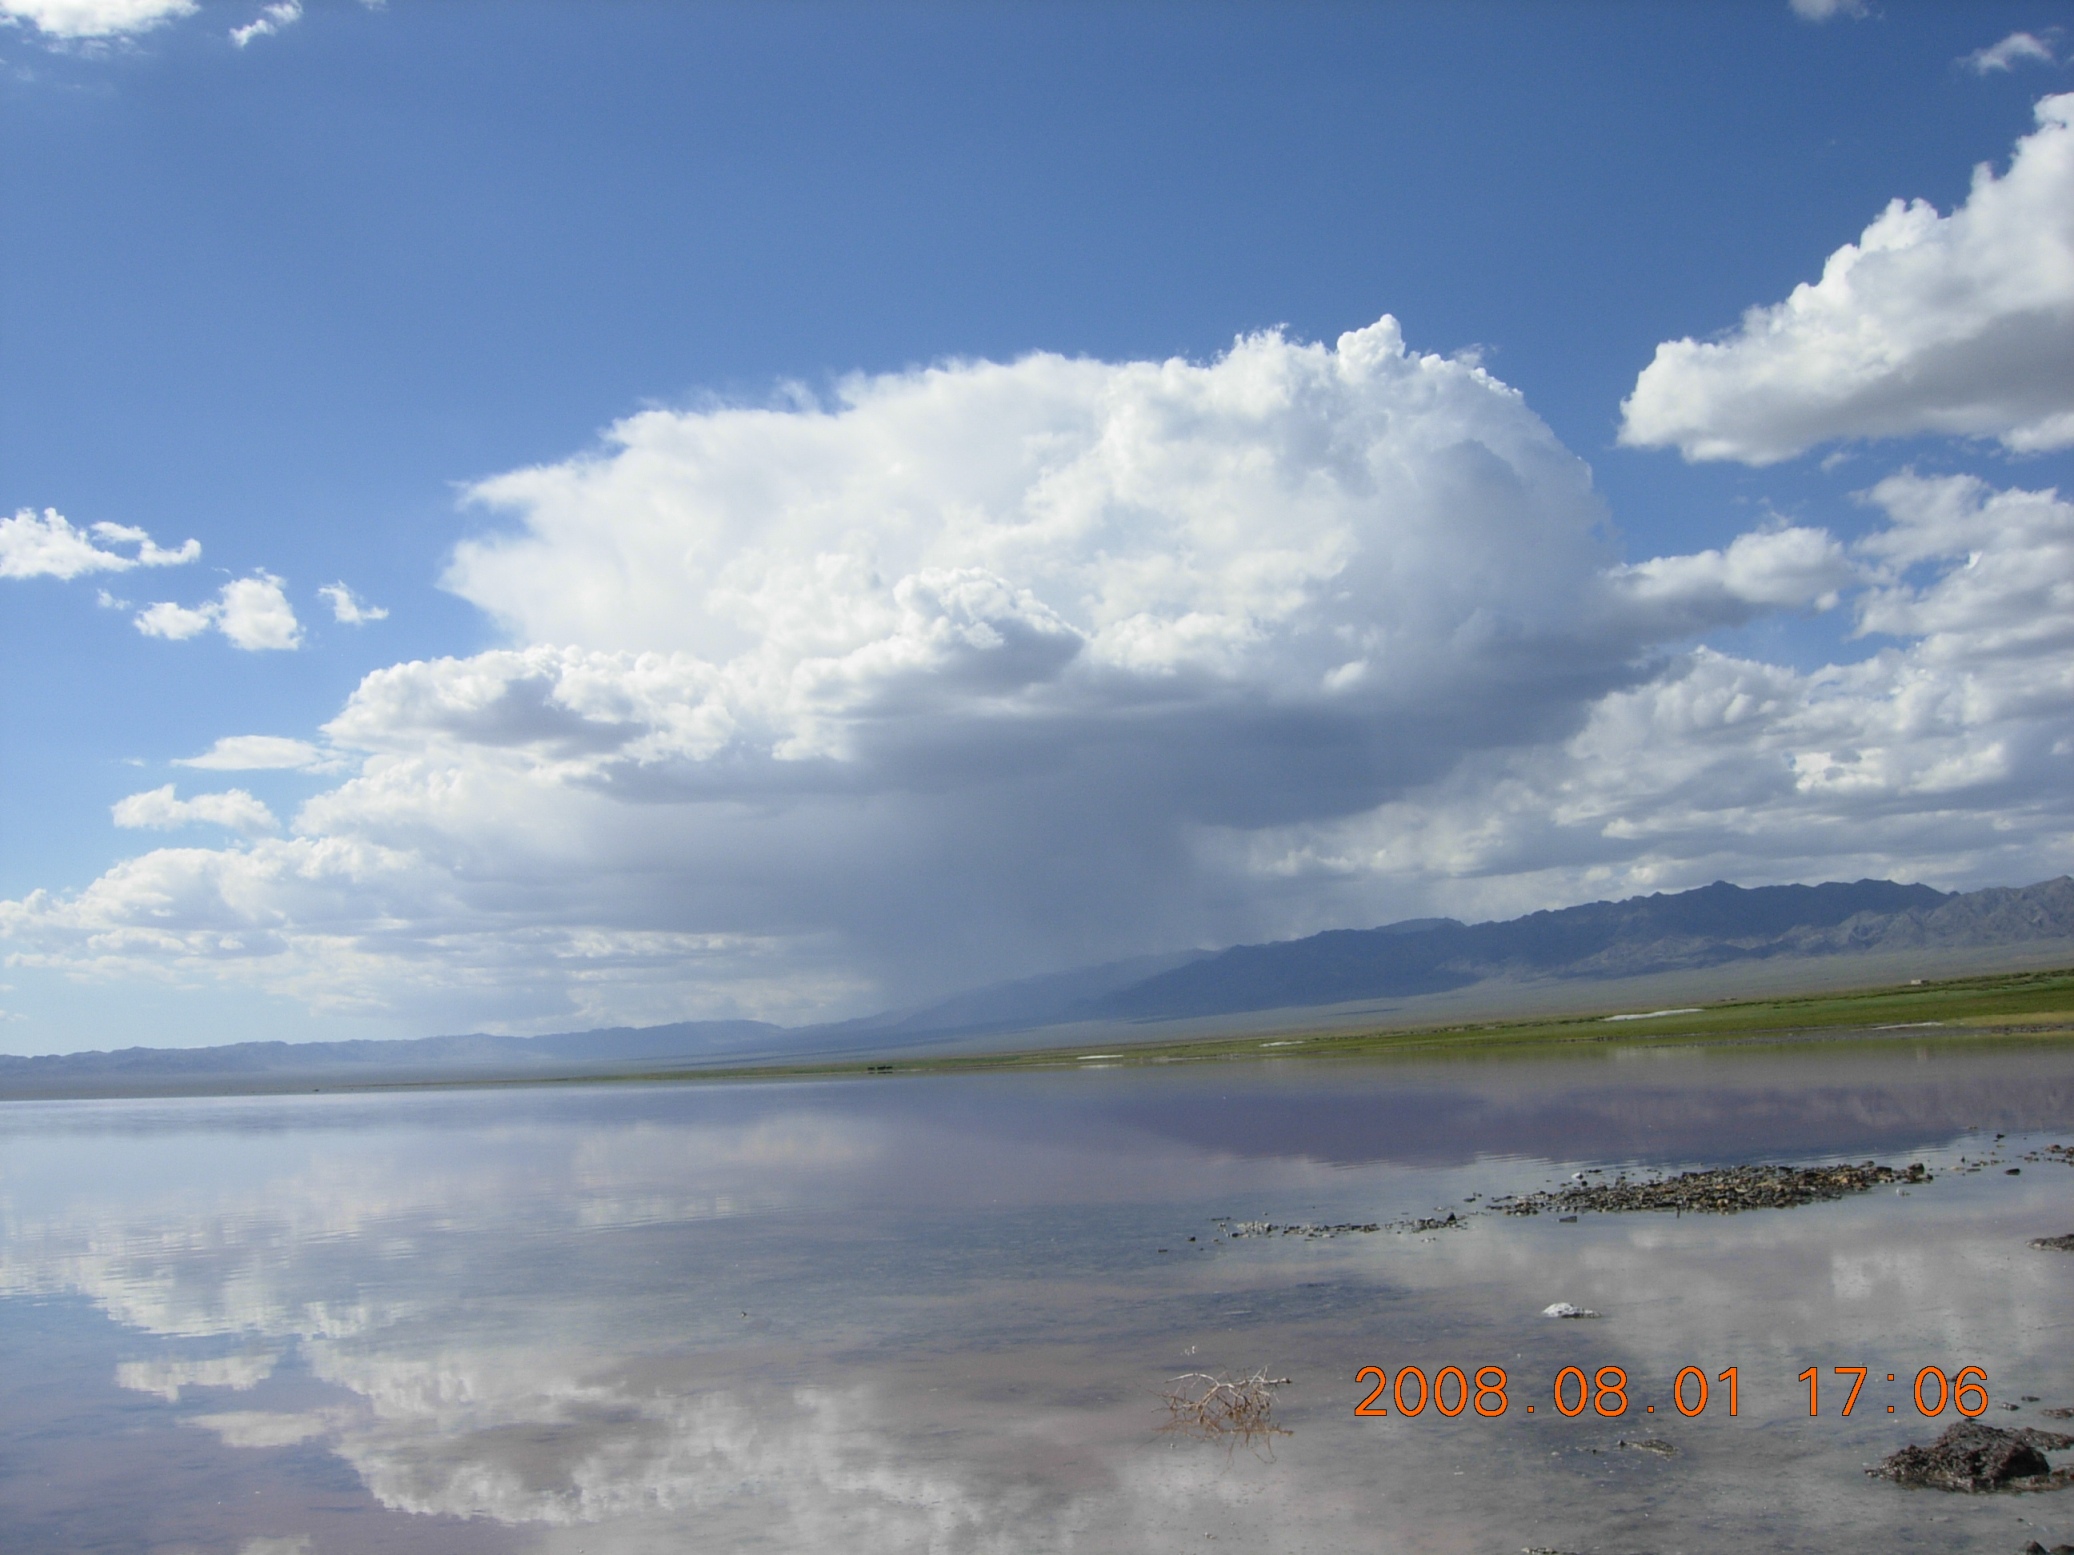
{"points": [[1710, 927], [1678, 931]]}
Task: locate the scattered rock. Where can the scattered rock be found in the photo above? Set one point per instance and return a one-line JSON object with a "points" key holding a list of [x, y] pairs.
{"points": [[2055, 1244], [1564, 1309], [1272, 1228], [2057, 1414], [1975, 1458], [1721, 1190], [1655, 1444], [2035, 1548], [1448, 1224]]}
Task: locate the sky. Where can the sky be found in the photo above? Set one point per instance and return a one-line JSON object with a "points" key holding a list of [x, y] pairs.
{"points": [[531, 515]]}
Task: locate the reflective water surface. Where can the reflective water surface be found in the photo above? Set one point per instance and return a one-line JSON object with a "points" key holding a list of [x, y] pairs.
{"points": [[937, 1314]]}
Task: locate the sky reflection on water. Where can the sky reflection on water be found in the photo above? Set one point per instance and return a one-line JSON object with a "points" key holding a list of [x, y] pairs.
{"points": [[936, 1314]]}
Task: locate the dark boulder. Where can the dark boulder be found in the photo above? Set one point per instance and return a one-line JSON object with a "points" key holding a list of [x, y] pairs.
{"points": [[1974, 1457]]}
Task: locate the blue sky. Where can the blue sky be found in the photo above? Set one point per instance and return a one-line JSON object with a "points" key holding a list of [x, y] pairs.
{"points": [[296, 293]]}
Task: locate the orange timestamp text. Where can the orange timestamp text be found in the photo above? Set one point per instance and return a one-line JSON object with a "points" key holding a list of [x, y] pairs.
{"points": [[1451, 1392]]}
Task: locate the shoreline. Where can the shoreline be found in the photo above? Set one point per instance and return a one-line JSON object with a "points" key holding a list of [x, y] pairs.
{"points": [[2010, 1009]]}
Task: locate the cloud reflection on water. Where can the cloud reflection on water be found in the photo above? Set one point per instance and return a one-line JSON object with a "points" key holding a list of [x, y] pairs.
{"points": [[934, 1317]]}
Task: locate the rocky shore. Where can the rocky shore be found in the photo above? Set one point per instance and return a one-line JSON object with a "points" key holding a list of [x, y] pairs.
{"points": [[1720, 1190], [1724, 1190]]}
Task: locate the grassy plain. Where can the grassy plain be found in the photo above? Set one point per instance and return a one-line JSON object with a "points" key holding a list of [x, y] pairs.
{"points": [[2010, 1007]]}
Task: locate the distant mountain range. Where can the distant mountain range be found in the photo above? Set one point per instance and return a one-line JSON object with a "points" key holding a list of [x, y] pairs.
{"points": [[1714, 926], [618, 1046], [1707, 927]]}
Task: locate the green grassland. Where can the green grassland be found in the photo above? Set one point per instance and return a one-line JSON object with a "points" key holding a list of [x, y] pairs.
{"points": [[2005, 1008]]}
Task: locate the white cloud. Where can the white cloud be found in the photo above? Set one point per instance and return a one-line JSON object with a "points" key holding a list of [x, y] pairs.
{"points": [[253, 613], [258, 753], [46, 545], [1959, 324], [2006, 54], [1179, 521], [348, 608], [269, 21], [990, 668], [1949, 753], [160, 809], [94, 18], [1828, 10], [177, 622], [1787, 568]]}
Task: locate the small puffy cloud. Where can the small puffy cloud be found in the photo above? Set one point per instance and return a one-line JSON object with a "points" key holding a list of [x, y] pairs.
{"points": [[2007, 54], [86, 19], [257, 753], [1828, 10], [159, 809], [1790, 568], [175, 622], [253, 613], [46, 545], [348, 608], [269, 21], [1959, 324]]}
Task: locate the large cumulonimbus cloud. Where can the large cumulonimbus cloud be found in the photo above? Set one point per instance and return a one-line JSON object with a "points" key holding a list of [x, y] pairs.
{"points": [[988, 668], [1960, 324]]}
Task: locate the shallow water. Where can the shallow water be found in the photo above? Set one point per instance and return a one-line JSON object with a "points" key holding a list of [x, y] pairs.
{"points": [[937, 1314]]}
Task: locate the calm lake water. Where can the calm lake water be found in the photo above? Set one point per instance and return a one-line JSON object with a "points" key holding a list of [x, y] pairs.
{"points": [[938, 1314]]}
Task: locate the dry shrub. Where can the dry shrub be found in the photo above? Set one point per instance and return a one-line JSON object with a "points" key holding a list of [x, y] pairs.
{"points": [[1231, 1410]]}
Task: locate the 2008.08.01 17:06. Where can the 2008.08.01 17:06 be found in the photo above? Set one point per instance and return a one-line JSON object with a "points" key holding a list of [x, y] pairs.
{"points": [[1605, 1391]]}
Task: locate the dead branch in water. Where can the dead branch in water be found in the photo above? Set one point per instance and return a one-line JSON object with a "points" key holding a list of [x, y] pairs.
{"points": [[1230, 1410]]}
